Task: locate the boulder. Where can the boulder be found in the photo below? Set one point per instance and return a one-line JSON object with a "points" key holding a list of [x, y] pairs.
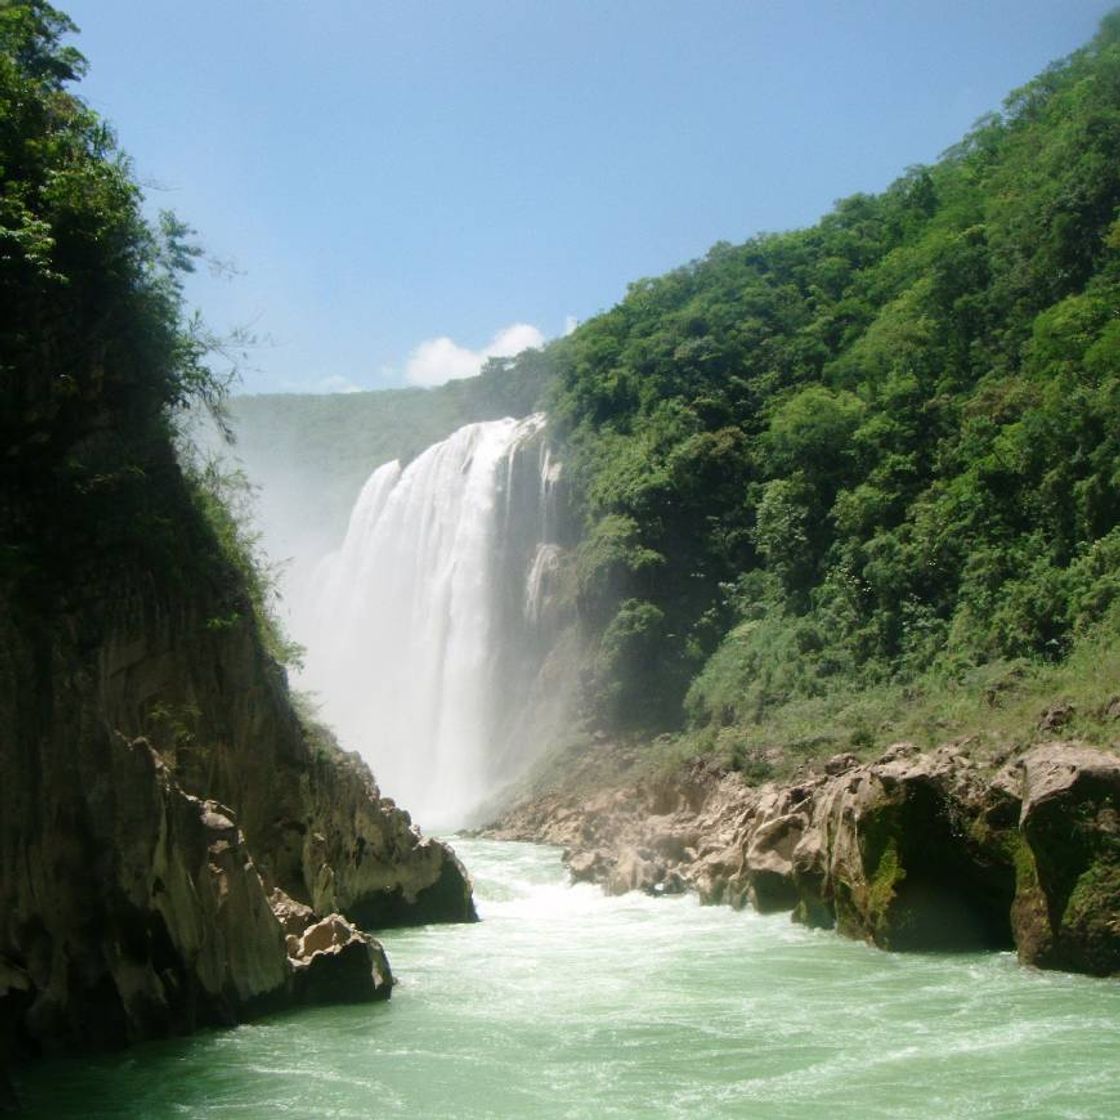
{"points": [[898, 864], [588, 866], [633, 872], [336, 963], [331, 932], [1066, 913], [294, 917]]}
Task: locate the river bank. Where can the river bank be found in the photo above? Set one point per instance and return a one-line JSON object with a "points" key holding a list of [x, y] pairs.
{"points": [[913, 851]]}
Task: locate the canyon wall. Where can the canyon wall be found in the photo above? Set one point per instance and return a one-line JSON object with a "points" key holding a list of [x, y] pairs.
{"points": [[172, 832]]}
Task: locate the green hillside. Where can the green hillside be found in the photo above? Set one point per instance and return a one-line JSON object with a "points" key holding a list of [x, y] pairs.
{"points": [[878, 453]]}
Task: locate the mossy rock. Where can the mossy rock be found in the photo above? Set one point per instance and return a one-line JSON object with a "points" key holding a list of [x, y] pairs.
{"points": [[929, 884], [1067, 913], [1091, 920]]}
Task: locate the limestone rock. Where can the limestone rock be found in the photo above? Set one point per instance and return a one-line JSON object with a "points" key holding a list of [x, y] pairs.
{"points": [[1067, 904], [633, 872], [915, 851], [293, 916], [158, 789], [336, 963], [330, 932], [769, 856], [587, 866], [900, 867], [370, 863], [311, 813], [181, 931]]}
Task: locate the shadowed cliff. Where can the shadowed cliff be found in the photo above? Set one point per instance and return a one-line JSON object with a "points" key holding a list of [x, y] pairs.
{"points": [[176, 848]]}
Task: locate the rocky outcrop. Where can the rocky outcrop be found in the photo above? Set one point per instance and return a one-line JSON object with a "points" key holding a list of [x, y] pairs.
{"points": [[140, 911], [143, 914], [361, 854], [1066, 852], [888, 855], [313, 816], [915, 851], [333, 962], [159, 792]]}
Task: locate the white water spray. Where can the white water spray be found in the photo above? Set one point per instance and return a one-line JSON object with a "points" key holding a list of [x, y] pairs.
{"points": [[409, 649]]}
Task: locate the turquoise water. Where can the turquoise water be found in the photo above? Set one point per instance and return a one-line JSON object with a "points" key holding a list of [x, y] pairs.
{"points": [[564, 1003]]}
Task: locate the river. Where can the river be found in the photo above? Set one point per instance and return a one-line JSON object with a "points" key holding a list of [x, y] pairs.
{"points": [[564, 1003]]}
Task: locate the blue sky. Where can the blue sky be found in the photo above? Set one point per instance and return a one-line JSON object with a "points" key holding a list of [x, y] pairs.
{"points": [[406, 186]]}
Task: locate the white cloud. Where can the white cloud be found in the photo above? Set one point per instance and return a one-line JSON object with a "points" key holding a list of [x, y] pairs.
{"points": [[570, 324], [437, 360]]}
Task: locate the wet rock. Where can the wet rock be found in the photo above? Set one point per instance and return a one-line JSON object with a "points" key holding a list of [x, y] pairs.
{"points": [[336, 963], [899, 865], [588, 866], [813, 907], [769, 856], [633, 872], [720, 876], [674, 883]]}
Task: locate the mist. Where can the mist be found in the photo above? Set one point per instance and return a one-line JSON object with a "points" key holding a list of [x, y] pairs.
{"points": [[427, 612]]}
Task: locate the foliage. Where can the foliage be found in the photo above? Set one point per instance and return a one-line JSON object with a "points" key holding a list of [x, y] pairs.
{"points": [[223, 497], [849, 456], [89, 292], [97, 358]]}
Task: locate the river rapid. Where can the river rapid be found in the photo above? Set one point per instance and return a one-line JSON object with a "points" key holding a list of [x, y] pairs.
{"points": [[564, 1003]]}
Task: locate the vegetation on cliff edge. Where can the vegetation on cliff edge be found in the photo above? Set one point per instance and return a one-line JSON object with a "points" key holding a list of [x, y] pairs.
{"points": [[878, 453], [97, 355]]}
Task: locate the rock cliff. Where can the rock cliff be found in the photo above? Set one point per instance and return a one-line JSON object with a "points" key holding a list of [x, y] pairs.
{"points": [[169, 826], [165, 818], [915, 851]]}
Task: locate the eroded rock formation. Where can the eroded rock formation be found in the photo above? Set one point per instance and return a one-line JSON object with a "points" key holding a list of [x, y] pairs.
{"points": [[915, 851], [167, 820]]}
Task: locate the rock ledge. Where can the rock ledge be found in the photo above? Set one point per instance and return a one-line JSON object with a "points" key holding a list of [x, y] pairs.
{"points": [[914, 851]]}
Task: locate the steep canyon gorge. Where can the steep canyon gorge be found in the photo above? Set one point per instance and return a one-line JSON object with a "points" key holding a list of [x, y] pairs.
{"points": [[787, 585]]}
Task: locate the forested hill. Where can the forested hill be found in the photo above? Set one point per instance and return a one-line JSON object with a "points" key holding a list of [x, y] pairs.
{"points": [[881, 447]]}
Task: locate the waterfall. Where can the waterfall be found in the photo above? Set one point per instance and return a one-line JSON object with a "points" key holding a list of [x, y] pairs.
{"points": [[426, 626]]}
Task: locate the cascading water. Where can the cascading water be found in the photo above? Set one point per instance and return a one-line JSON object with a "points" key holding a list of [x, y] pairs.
{"points": [[426, 628]]}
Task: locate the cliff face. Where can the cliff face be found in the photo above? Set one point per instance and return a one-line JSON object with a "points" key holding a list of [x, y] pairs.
{"points": [[916, 851], [162, 804], [172, 840], [195, 682]]}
